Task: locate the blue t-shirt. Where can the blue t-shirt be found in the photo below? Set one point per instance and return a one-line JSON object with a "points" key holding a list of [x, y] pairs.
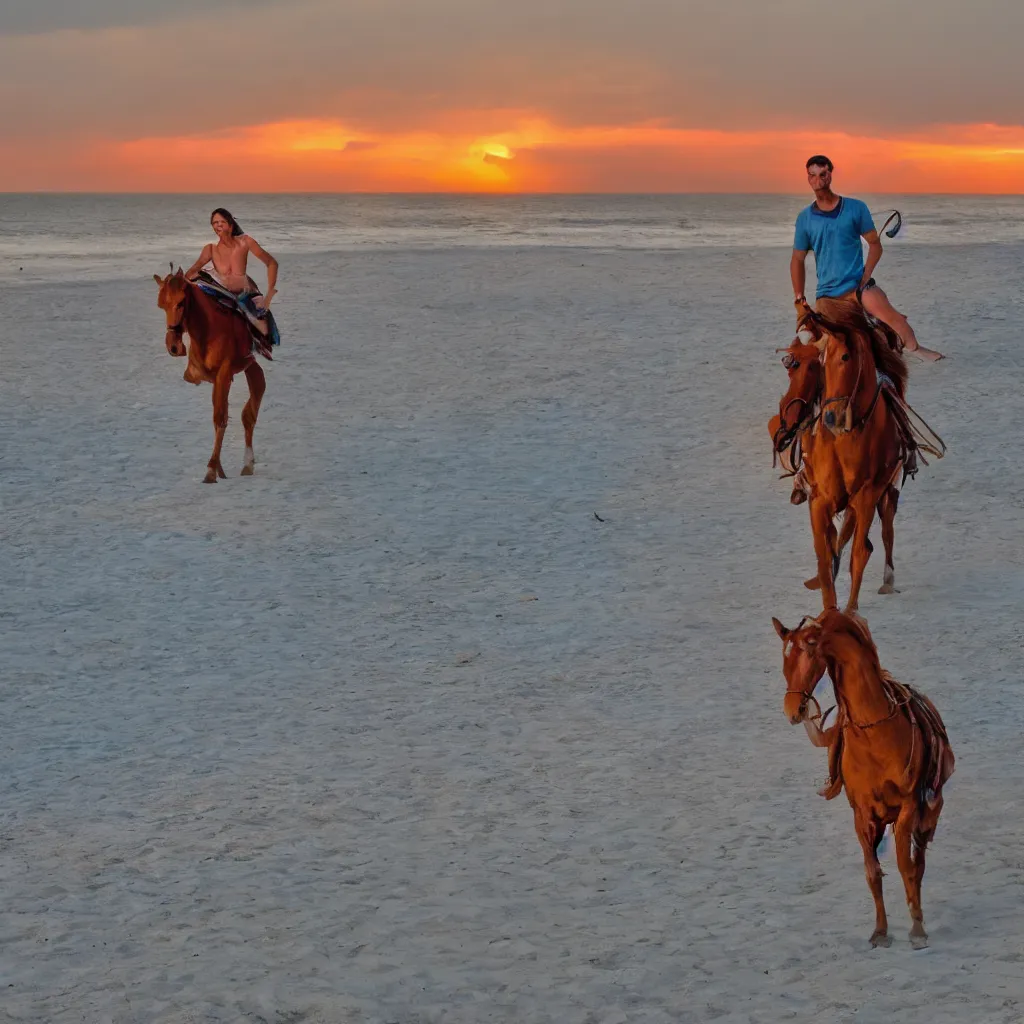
{"points": [[834, 238]]}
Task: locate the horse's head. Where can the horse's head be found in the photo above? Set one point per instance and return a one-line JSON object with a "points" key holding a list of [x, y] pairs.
{"points": [[846, 362], [803, 364], [172, 300], [803, 665]]}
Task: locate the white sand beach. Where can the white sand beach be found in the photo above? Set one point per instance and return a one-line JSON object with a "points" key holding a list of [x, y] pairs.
{"points": [[398, 730]]}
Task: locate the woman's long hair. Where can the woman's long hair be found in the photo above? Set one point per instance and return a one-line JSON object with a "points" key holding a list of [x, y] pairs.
{"points": [[235, 227]]}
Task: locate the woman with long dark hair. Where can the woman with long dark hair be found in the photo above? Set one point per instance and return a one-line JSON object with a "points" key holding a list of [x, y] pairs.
{"points": [[229, 256]]}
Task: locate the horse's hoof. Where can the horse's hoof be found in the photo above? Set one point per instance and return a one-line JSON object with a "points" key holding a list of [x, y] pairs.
{"points": [[881, 939], [211, 477], [813, 584], [919, 941], [248, 470], [887, 588]]}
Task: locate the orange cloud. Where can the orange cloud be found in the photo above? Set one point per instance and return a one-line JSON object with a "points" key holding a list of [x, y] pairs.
{"points": [[531, 154]]}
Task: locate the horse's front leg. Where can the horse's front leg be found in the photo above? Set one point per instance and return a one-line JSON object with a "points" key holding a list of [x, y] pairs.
{"points": [[221, 388], [819, 737], [845, 533], [870, 833], [887, 514], [824, 533], [863, 507], [257, 386]]}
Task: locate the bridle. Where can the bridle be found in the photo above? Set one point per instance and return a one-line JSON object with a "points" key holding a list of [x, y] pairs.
{"points": [[178, 329], [849, 399], [808, 695], [785, 436]]}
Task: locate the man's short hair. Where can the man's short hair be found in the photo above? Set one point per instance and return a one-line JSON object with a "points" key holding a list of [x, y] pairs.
{"points": [[820, 161]]}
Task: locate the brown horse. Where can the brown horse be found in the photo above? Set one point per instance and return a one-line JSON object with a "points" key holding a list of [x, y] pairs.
{"points": [[798, 408], [221, 346], [888, 748], [793, 431], [858, 450]]}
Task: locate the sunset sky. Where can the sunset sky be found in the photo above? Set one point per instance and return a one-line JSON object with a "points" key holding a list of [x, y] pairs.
{"points": [[510, 95]]}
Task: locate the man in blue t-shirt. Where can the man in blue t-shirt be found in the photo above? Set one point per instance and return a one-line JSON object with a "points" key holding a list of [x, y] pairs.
{"points": [[832, 228]]}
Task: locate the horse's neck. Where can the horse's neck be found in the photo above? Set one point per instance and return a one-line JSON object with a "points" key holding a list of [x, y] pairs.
{"points": [[868, 383], [856, 680], [197, 320]]}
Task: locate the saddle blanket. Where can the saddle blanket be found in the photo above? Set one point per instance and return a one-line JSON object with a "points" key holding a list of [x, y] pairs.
{"points": [[244, 305]]}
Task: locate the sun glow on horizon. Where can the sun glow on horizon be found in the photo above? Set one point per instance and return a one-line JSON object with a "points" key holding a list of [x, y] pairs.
{"points": [[530, 154]]}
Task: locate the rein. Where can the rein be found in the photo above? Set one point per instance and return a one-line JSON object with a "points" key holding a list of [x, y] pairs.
{"points": [[819, 717], [787, 437], [849, 399], [896, 706], [871, 408]]}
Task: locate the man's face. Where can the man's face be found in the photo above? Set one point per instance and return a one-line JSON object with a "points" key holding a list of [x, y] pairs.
{"points": [[819, 177]]}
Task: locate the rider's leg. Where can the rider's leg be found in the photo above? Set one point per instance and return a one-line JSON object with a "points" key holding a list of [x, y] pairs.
{"points": [[256, 301], [877, 303]]}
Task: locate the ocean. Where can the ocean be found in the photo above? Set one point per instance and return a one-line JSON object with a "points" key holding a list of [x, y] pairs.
{"points": [[58, 238]]}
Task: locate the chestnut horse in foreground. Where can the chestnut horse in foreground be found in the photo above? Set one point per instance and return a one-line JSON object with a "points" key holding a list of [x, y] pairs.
{"points": [[793, 431], [859, 449], [888, 748], [221, 346]]}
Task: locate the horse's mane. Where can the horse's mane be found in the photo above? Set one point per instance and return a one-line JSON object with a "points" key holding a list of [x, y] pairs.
{"points": [[835, 624], [883, 341]]}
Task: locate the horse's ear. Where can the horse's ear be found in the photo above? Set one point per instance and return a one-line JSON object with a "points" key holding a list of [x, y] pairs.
{"points": [[780, 628], [809, 328], [179, 272], [159, 280]]}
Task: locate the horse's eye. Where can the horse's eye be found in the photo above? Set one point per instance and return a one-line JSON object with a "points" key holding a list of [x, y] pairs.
{"points": [[794, 366], [846, 356]]}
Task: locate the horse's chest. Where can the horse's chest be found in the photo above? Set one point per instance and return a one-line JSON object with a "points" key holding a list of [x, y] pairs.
{"points": [[870, 787]]}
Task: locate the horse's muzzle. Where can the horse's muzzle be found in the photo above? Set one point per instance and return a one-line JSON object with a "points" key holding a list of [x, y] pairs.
{"points": [[794, 707], [837, 417], [175, 344]]}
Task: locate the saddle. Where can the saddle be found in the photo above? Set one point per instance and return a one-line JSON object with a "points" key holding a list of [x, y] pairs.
{"points": [[939, 762]]}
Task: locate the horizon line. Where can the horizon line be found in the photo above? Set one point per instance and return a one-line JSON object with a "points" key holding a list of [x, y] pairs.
{"points": [[488, 194]]}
